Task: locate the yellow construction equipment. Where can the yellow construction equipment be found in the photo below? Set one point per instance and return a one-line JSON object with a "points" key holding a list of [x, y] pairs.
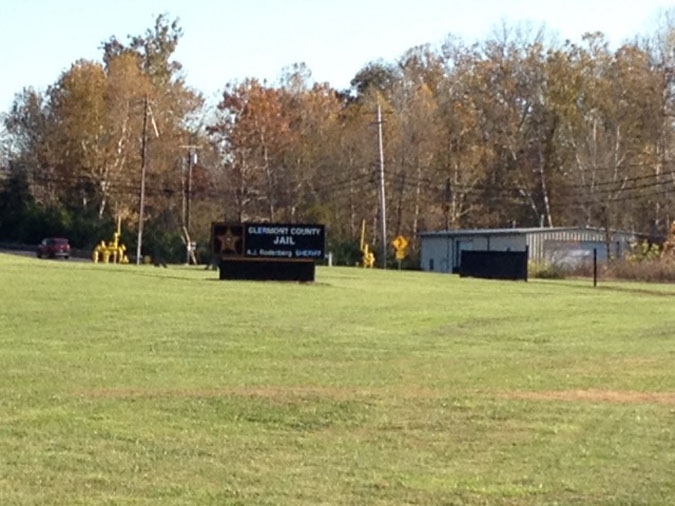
{"points": [[113, 251], [368, 258]]}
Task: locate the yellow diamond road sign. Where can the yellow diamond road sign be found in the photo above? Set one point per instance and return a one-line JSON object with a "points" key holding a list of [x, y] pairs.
{"points": [[400, 243]]}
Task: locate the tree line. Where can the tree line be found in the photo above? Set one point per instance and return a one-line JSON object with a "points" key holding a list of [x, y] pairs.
{"points": [[514, 130]]}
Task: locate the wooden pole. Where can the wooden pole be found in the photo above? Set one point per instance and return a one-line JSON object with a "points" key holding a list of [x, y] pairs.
{"points": [[383, 210], [141, 206]]}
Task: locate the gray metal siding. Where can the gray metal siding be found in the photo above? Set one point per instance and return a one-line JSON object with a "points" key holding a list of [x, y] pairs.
{"points": [[537, 241], [436, 254], [440, 251], [515, 242], [585, 239]]}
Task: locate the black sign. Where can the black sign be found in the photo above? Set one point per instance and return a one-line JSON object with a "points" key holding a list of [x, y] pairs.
{"points": [[263, 269], [494, 264], [227, 239], [279, 241]]}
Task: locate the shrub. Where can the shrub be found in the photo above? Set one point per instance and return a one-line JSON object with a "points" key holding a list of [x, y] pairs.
{"points": [[345, 251], [163, 244], [643, 251], [546, 270], [658, 270]]}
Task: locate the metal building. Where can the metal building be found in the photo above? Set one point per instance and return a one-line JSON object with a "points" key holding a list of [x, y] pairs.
{"points": [[442, 251]]}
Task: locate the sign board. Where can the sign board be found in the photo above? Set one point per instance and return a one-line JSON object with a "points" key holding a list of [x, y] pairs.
{"points": [[494, 264], [268, 240], [400, 243], [267, 251]]}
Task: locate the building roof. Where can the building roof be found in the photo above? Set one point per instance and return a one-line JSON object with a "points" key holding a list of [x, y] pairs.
{"points": [[516, 231]]}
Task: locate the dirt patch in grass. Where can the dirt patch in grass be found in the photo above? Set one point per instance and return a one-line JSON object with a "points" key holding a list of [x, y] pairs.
{"points": [[592, 395]]}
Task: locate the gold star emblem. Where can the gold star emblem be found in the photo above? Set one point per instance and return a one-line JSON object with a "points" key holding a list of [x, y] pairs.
{"points": [[228, 241]]}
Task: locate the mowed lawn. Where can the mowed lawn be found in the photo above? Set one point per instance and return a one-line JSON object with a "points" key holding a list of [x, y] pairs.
{"points": [[141, 385]]}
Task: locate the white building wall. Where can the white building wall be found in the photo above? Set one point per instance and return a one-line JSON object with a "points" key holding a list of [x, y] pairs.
{"points": [[510, 242], [442, 254], [436, 254], [515, 242]]}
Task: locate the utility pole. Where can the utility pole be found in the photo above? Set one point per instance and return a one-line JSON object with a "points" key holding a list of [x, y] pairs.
{"points": [[383, 205], [189, 191], [187, 198], [144, 148], [448, 194]]}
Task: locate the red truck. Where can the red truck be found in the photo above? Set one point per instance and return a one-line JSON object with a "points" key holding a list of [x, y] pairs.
{"points": [[53, 247]]}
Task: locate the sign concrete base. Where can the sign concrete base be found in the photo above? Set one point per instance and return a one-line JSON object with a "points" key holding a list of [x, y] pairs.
{"points": [[265, 269]]}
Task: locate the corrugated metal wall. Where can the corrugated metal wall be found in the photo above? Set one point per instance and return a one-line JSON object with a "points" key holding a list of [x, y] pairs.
{"points": [[586, 239], [440, 253]]}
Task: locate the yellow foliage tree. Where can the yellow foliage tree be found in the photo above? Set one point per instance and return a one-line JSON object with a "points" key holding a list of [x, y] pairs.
{"points": [[669, 245]]}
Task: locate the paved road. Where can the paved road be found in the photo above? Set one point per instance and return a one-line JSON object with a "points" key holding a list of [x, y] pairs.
{"points": [[23, 253], [31, 253]]}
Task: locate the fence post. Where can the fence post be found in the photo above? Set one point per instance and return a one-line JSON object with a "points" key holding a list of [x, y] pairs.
{"points": [[527, 260], [595, 267]]}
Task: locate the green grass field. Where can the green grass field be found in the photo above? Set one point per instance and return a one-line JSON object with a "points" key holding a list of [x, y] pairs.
{"points": [[138, 385]]}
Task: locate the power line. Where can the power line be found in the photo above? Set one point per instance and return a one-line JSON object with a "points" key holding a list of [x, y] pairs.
{"points": [[123, 185], [464, 188], [410, 181], [514, 195]]}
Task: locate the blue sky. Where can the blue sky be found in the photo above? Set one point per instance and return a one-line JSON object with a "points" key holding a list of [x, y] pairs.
{"points": [[226, 40]]}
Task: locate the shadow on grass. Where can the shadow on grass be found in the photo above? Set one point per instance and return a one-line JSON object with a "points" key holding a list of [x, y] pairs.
{"points": [[605, 288]]}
